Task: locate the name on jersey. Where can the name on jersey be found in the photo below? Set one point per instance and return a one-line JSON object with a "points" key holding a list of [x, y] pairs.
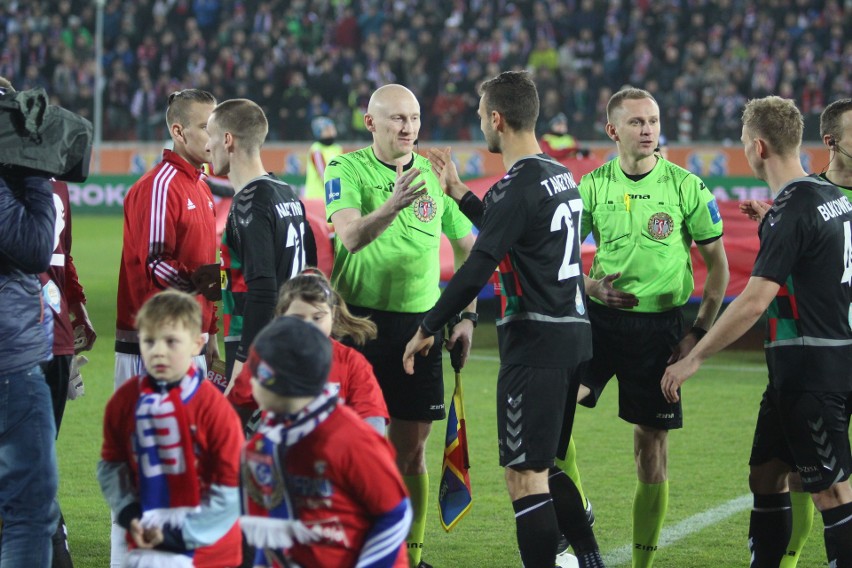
{"points": [[558, 183], [834, 208], [289, 209]]}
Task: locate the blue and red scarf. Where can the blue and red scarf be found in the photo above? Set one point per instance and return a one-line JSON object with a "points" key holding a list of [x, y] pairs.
{"points": [[269, 520], [168, 482]]}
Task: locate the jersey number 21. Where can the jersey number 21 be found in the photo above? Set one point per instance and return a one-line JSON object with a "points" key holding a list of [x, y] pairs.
{"points": [[296, 239]]}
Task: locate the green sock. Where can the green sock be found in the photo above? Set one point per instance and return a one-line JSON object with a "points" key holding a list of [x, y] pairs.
{"points": [[569, 466], [418, 489], [649, 511], [803, 521]]}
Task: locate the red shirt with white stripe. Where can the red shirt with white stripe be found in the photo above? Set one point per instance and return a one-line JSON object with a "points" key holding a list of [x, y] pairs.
{"points": [[66, 289], [169, 231]]}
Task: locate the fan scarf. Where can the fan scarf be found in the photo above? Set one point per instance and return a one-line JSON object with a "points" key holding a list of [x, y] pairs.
{"points": [[168, 482], [269, 520]]}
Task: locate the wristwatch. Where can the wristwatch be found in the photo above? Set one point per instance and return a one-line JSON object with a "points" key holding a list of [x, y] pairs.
{"points": [[472, 316]]}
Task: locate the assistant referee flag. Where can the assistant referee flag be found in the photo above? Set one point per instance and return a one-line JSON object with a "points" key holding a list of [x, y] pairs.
{"points": [[454, 495]]}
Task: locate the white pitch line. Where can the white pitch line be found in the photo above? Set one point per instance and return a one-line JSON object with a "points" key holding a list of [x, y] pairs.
{"points": [[685, 528], [746, 368]]}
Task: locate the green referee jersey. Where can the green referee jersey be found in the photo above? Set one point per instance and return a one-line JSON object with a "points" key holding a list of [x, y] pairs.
{"points": [[644, 229], [401, 269]]}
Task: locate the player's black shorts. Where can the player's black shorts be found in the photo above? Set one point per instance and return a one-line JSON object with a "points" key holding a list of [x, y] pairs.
{"points": [[635, 347], [409, 397], [535, 414], [807, 430]]}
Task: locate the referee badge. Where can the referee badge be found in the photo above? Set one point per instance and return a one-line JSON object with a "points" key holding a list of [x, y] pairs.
{"points": [[660, 225], [424, 208]]}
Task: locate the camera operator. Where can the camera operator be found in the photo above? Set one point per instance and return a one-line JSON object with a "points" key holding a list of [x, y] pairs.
{"points": [[28, 475]]}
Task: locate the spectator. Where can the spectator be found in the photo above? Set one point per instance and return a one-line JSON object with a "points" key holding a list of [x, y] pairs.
{"points": [[749, 47]]}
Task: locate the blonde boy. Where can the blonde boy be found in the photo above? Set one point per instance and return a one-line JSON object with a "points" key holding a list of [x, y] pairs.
{"points": [[169, 464]]}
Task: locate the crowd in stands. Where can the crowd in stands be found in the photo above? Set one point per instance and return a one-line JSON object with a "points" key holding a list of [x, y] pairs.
{"points": [[302, 58]]}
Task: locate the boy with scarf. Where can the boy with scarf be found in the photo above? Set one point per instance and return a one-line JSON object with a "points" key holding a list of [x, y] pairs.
{"points": [[320, 486], [170, 458]]}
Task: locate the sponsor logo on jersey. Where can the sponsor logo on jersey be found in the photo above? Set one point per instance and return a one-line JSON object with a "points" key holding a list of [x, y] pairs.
{"points": [[660, 225], [330, 531], [713, 207], [424, 208], [189, 204], [332, 190]]}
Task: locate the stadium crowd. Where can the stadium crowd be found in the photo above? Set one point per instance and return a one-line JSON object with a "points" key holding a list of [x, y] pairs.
{"points": [[702, 59]]}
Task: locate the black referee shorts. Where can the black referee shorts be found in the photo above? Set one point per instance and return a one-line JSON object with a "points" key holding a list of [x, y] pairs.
{"points": [[635, 347], [409, 397]]}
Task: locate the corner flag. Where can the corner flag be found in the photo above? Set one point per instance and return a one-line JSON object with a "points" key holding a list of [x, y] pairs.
{"points": [[454, 494]]}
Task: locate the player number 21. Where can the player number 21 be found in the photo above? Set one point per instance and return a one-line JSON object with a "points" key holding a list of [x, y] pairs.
{"points": [[562, 216], [296, 238]]}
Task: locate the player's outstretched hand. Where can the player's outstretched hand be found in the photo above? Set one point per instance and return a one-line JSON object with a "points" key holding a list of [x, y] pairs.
{"points": [[676, 375], [754, 209], [604, 291], [446, 172], [406, 188], [420, 343]]}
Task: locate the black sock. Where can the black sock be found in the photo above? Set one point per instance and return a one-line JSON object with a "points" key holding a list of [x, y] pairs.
{"points": [[538, 531], [570, 512], [769, 530], [838, 535]]}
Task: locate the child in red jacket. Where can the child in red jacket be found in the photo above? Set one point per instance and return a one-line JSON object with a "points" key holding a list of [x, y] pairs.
{"points": [[310, 297]]}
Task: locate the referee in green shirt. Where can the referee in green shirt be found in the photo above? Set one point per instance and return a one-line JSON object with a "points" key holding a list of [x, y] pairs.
{"points": [[644, 213], [388, 212]]}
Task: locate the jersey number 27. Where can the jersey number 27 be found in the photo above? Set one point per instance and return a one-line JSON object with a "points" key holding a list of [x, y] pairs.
{"points": [[563, 217]]}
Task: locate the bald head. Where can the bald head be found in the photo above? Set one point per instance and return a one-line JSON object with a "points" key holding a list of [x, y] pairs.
{"points": [[393, 117], [390, 96]]}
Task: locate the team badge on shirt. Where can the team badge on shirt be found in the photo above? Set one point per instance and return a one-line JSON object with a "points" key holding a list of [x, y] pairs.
{"points": [[660, 225], [262, 481], [424, 208]]}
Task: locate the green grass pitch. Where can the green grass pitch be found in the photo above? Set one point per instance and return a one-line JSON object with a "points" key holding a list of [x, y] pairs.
{"points": [[706, 524]]}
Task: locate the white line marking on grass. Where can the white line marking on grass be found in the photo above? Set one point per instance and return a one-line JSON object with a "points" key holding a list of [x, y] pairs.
{"points": [[685, 528], [745, 368]]}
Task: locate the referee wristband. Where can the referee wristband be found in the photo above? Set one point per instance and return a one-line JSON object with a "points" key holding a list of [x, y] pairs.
{"points": [[698, 332]]}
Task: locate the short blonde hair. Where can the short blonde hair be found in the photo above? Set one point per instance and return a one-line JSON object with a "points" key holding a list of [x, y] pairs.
{"points": [[627, 93], [777, 121], [170, 306]]}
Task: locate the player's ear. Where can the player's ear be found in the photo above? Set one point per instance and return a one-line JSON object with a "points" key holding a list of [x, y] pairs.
{"points": [[369, 123], [611, 131], [176, 130]]}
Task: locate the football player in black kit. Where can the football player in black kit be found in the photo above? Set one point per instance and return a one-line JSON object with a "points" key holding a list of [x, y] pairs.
{"points": [[529, 225], [802, 277]]}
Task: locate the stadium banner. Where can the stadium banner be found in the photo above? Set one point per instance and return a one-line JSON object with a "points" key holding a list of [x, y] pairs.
{"points": [[472, 158], [104, 194]]}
